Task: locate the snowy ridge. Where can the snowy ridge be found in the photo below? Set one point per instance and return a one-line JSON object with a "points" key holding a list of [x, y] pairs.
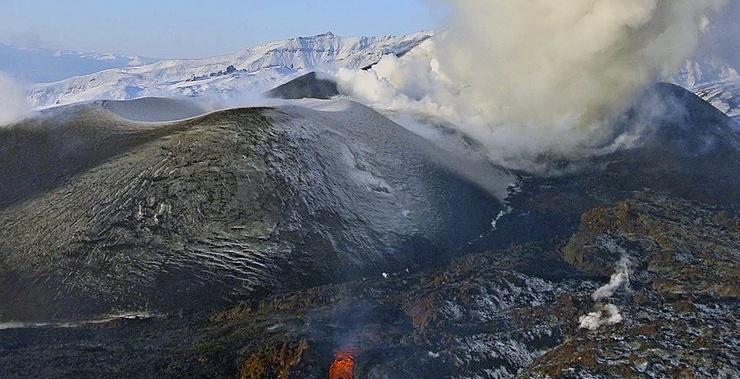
{"points": [[714, 80], [723, 95], [248, 71], [701, 71], [256, 70]]}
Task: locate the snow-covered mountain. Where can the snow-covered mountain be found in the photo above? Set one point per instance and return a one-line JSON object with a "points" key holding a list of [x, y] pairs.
{"points": [[710, 75], [714, 80], [696, 73], [249, 71], [34, 65], [723, 94], [713, 73]]}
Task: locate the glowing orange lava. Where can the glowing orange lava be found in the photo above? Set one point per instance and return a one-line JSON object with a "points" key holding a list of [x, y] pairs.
{"points": [[343, 366]]}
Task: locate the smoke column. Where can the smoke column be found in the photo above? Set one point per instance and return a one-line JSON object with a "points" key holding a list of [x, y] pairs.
{"points": [[607, 314], [13, 104], [536, 78], [621, 277]]}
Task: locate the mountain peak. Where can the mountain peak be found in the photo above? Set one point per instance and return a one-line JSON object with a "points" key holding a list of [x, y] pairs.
{"points": [[327, 35]]}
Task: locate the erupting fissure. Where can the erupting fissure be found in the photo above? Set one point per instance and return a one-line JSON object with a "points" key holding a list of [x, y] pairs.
{"points": [[343, 366]]}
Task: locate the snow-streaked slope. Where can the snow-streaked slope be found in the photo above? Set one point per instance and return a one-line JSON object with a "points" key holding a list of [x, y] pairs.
{"points": [[35, 65], [713, 79], [249, 71]]}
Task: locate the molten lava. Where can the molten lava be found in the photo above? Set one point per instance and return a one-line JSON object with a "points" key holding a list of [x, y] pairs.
{"points": [[343, 366]]}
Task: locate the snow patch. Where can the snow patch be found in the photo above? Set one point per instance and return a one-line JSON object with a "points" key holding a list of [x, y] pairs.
{"points": [[133, 315]]}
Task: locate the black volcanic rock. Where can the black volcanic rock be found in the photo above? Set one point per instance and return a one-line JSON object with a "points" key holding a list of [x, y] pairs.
{"points": [[306, 86], [685, 144]]}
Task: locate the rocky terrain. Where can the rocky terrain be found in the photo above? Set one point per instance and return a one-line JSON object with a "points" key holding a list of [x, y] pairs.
{"points": [[259, 243], [486, 315]]}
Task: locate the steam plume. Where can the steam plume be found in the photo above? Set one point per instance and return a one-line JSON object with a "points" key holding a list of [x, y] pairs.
{"points": [[13, 104], [621, 277], [607, 314], [537, 78]]}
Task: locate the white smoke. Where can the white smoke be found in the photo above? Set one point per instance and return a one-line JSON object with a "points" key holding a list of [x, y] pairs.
{"points": [[607, 314], [536, 78], [13, 103], [621, 277]]}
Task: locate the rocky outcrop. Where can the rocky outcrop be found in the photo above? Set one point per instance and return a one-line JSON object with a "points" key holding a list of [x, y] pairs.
{"points": [[681, 303], [686, 248], [275, 363]]}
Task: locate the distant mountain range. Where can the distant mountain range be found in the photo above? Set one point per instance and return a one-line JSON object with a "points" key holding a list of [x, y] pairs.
{"points": [[34, 65], [234, 75], [711, 74]]}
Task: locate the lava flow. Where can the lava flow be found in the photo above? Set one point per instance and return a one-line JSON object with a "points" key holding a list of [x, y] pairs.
{"points": [[343, 366]]}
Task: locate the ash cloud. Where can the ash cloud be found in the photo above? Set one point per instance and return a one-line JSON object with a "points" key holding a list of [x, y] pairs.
{"points": [[14, 106], [540, 78]]}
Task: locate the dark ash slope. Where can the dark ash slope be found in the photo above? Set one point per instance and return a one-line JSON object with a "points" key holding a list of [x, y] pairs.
{"points": [[116, 215]]}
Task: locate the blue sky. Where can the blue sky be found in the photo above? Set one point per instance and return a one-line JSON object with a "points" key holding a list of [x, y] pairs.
{"points": [[191, 28]]}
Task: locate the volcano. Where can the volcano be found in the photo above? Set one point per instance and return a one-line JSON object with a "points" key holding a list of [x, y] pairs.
{"points": [[213, 208], [261, 240]]}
